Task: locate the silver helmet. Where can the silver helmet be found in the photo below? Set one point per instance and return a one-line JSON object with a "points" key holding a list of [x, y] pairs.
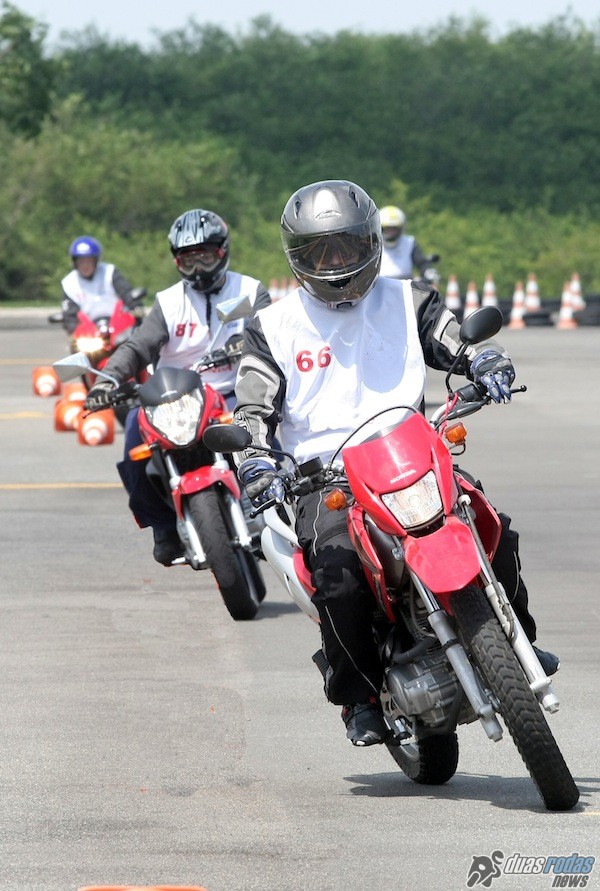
{"points": [[199, 242], [331, 236]]}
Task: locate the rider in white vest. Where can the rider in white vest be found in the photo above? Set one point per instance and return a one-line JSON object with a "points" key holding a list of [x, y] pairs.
{"points": [[93, 287], [346, 344], [401, 254], [178, 331]]}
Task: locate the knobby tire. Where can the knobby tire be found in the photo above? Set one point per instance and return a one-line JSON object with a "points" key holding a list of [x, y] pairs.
{"points": [[501, 671]]}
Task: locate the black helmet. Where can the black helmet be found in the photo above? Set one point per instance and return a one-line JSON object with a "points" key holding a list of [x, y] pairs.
{"points": [[332, 239], [196, 232]]}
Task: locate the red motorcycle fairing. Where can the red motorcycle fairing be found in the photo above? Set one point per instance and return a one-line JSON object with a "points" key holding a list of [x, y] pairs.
{"points": [[395, 461], [208, 475], [370, 559], [214, 407]]}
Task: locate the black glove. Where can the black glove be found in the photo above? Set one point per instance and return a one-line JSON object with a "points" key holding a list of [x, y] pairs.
{"points": [[233, 347], [495, 372], [260, 479], [99, 396]]}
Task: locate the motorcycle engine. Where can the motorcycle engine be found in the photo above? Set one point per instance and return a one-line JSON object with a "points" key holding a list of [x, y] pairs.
{"points": [[425, 688]]}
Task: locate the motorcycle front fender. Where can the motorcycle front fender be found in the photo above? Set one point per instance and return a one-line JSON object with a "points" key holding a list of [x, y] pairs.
{"points": [[204, 477], [447, 560]]}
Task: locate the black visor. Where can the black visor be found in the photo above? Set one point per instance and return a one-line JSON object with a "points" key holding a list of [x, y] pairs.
{"points": [[333, 255]]}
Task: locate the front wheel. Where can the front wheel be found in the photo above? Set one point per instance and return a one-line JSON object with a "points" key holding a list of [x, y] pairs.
{"points": [[235, 570], [482, 636], [430, 761]]}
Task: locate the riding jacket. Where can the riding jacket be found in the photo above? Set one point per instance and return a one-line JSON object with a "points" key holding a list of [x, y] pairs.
{"points": [[316, 374]]}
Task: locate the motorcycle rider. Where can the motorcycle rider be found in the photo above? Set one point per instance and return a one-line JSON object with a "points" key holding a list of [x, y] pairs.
{"points": [[94, 286], [347, 344], [177, 332], [401, 253]]}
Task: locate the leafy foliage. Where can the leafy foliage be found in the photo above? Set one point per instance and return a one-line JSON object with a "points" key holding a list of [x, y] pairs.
{"points": [[488, 145]]}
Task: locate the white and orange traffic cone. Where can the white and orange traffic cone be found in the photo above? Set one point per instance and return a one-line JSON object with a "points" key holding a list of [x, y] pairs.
{"points": [[532, 295], [488, 297], [471, 299], [452, 300], [565, 315], [97, 428], [75, 392], [518, 307], [577, 301], [45, 381], [67, 413]]}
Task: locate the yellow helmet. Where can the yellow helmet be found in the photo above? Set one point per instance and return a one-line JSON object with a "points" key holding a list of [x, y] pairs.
{"points": [[392, 217], [392, 221]]}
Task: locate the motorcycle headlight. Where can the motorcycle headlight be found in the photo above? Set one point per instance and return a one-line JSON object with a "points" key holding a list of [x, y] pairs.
{"points": [[178, 421], [89, 344], [417, 505]]}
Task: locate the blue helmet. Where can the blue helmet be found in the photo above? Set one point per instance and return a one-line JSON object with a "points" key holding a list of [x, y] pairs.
{"points": [[85, 246]]}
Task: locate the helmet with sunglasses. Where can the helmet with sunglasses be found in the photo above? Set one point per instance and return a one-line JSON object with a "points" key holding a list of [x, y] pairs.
{"points": [[199, 242], [332, 239]]}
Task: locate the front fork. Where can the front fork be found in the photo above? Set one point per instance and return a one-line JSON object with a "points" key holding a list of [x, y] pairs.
{"points": [[495, 593], [195, 553]]}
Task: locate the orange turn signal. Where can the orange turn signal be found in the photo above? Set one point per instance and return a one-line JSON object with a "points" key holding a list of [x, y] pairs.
{"points": [[226, 418], [140, 453], [336, 500], [456, 433]]}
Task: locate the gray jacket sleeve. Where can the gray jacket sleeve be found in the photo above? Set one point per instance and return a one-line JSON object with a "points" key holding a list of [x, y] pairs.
{"points": [[439, 332], [259, 390], [142, 348]]}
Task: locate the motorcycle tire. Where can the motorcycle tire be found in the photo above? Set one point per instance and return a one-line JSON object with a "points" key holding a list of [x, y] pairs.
{"points": [[235, 571], [481, 634], [431, 761]]}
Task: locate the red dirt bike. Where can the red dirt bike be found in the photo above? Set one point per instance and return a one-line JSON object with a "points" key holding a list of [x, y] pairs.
{"points": [[99, 338], [452, 648], [176, 407]]}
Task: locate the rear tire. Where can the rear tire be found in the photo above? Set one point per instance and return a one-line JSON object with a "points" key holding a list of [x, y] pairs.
{"points": [[235, 571], [501, 671], [431, 761]]}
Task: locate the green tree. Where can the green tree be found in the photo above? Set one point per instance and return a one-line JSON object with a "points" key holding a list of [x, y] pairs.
{"points": [[26, 76]]}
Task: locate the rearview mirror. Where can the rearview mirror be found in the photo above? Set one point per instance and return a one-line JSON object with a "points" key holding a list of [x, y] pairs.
{"points": [[481, 324], [234, 308], [226, 438], [75, 365]]}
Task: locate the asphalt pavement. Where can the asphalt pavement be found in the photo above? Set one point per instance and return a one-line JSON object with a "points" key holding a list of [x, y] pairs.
{"points": [[148, 739]]}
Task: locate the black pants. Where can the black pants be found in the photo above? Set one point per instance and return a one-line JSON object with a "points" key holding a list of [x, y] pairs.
{"points": [[345, 601]]}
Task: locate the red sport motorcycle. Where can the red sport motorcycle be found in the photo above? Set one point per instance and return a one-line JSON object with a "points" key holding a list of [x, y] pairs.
{"points": [[99, 338], [175, 408], [452, 648]]}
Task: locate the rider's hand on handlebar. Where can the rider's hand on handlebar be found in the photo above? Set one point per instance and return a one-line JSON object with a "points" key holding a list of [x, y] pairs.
{"points": [[261, 480], [98, 397], [495, 372]]}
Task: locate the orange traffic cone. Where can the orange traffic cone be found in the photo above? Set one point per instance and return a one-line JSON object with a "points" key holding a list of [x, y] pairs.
{"points": [[489, 297], [518, 307], [66, 414], [97, 428], [453, 294], [565, 315], [471, 299], [577, 301], [45, 381], [75, 392], [532, 295]]}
